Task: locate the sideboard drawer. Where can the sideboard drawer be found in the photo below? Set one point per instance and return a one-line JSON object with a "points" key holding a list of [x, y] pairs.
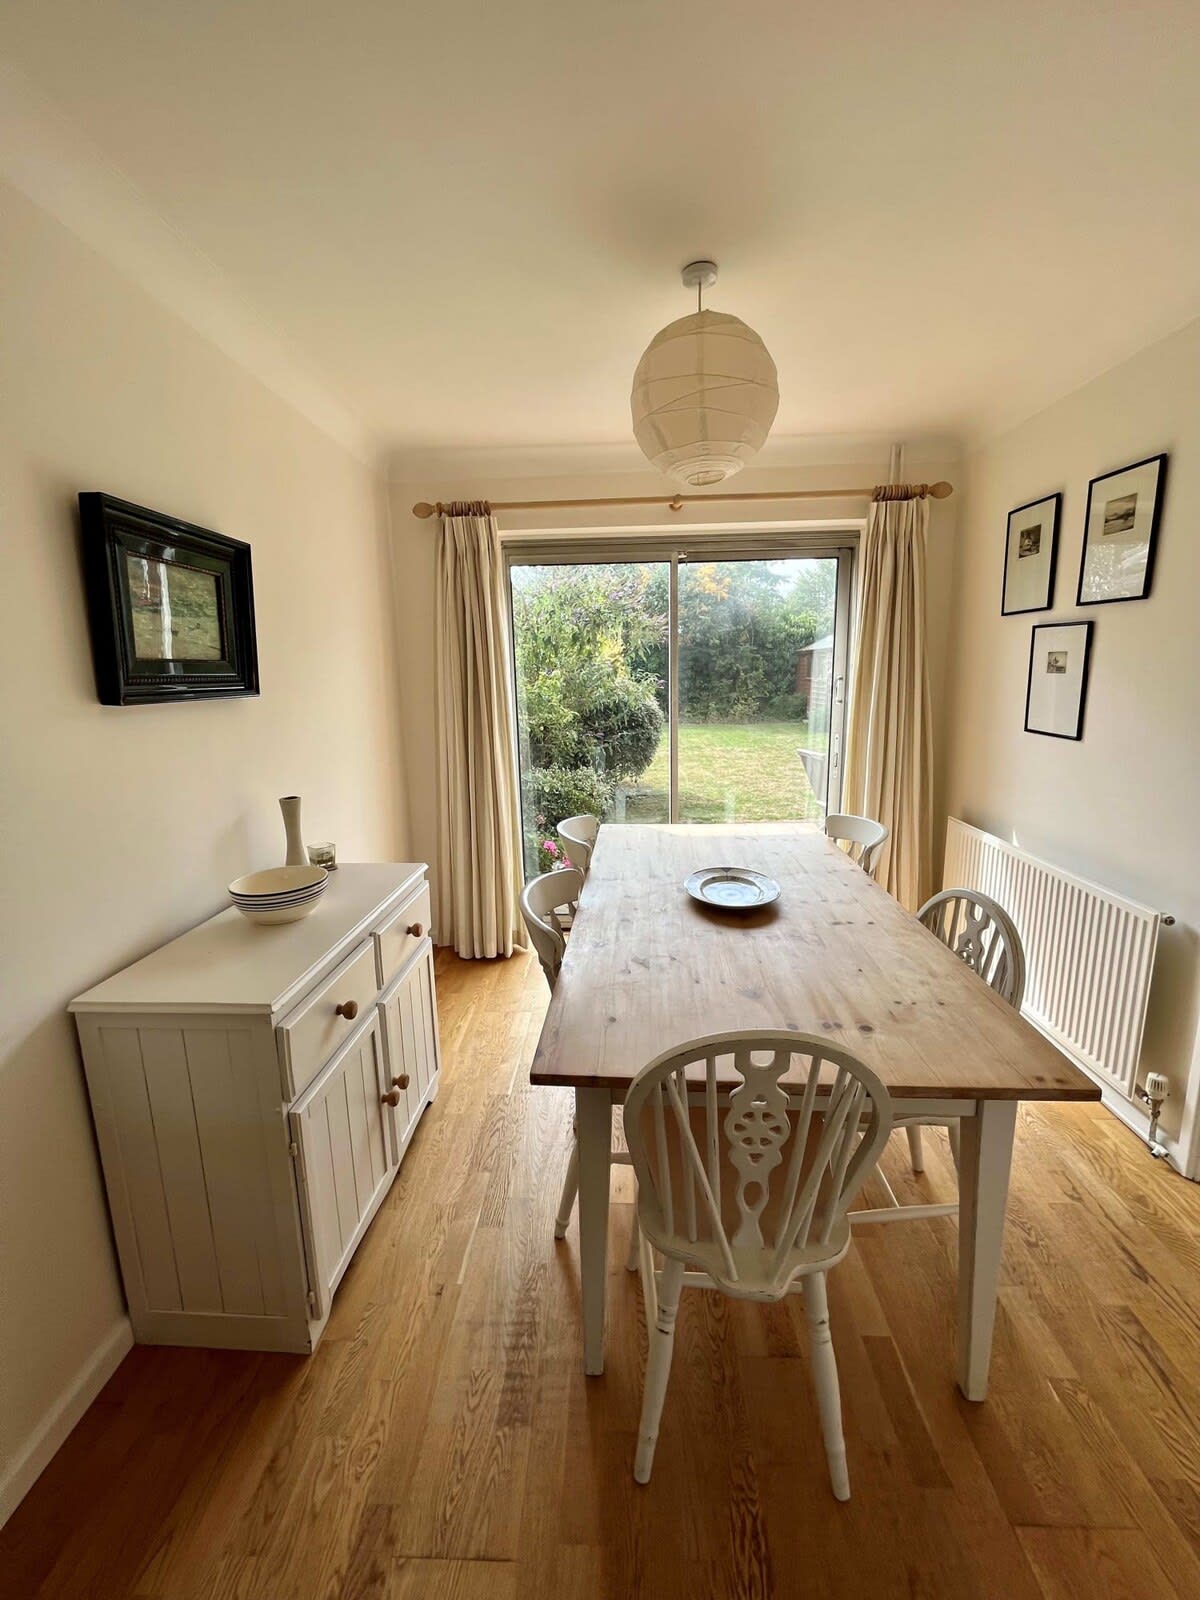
{"points": [[399, 937], [313, 1031]]}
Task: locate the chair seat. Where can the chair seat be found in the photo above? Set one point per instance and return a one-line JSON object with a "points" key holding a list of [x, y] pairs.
{"points": [[757, 1276]]}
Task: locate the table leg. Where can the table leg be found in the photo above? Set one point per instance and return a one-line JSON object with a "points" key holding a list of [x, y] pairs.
{"points": [[593, 1113], [984, 1163]]}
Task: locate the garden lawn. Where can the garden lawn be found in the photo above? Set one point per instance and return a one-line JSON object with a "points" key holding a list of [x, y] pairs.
{"points": [[730, 771]]}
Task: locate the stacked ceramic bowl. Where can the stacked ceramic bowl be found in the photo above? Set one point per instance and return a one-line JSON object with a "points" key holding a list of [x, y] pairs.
{"points": [[281, 894]]}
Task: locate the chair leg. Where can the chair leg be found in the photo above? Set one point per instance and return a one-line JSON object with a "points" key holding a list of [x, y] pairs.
{"points": [[658, 1366], [952, 1134], [825, 1378], [915, 1148], [570, 1189], [635, 1244]]}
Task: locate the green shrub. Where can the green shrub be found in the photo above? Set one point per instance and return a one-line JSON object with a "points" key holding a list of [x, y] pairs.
{"points": [[553, 793], [551, 724], [787, 708], [616, 730], [583, 637], [625, 724]]}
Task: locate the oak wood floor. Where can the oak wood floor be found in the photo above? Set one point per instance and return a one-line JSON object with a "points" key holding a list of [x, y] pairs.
{"points": [[443, 1443]]}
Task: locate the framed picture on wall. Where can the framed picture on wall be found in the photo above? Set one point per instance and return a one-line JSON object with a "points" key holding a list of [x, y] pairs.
{"points": [[1059, 655], [171, 606], [1030, 552], [1120, 531]]}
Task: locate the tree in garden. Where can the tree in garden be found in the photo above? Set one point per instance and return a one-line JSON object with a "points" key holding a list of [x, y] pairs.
{"points": [[592, 706], [744, 624]]}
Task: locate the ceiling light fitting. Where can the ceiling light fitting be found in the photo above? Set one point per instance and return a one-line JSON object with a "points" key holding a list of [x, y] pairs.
{"points": [[705, 392]]}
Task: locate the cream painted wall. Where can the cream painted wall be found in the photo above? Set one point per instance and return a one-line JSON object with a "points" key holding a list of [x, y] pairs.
{"points": [[1121, 807], [502, 475], [121, 826]]}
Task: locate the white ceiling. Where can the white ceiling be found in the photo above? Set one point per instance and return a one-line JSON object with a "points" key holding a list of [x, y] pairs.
{"points": [[468, 217]]}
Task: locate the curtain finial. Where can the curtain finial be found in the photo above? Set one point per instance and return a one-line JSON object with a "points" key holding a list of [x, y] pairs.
{"points": [[898, 491]]}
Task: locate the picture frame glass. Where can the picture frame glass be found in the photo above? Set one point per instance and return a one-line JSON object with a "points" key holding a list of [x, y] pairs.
{"points": [[175, 610], [1058, 667], [1118, 540], [1029, 556], [173, 603]]}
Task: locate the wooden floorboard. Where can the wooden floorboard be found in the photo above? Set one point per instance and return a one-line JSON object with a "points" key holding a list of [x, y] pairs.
{"points": [[443, 1443]]}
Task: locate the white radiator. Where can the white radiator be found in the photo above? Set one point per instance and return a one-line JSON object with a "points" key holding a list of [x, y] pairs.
{"points": [[1089, 954]]}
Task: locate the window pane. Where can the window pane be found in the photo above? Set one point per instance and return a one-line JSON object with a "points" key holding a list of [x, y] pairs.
{"points": [[755, 688], [590, 648]]}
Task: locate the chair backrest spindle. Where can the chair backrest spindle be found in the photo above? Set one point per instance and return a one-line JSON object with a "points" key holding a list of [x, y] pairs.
{"points": [[981, 933], [794, 1153]]}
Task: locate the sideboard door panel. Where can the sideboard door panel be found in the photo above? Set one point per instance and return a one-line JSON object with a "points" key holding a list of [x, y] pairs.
{"points": [[410, 1026], [136, 1167], [344, 1163], [427, 1001], [234, 1147], [184, 1147]]}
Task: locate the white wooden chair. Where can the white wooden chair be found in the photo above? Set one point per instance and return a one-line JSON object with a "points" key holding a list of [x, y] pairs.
{"points": [[981, 933], [863, 835], [578, 835], [748, 1192], [548, 905]]}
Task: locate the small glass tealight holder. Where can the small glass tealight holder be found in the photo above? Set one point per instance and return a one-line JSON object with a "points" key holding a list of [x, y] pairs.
{"points": [[323, 854]]}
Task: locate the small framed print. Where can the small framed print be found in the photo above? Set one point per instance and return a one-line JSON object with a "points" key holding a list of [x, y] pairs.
{"points": [[1120, 531], [1059, 654], [1030, 551], [171, 606]]}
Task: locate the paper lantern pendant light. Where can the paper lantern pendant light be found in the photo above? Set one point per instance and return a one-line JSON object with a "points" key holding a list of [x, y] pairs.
{"points": [[705, 393]]}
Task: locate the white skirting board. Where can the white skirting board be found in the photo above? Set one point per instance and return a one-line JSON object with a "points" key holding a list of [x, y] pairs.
{"points": [[1129, 1112], [21, 1475]]}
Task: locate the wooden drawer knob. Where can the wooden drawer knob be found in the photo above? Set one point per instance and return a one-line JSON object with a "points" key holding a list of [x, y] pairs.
{"points": [[347, 1009], [416, 930], [391, 1098], [402, 1081]]}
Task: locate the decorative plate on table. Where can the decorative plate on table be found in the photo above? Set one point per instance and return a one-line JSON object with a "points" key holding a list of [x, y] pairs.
{"points": [[731, 888]]}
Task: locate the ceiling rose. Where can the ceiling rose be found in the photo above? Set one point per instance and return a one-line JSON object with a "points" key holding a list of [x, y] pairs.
{"points": [[705, 392]]}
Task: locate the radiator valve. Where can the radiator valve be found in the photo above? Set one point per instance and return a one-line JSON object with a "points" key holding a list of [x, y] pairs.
{"points": [[1152, 1094]]}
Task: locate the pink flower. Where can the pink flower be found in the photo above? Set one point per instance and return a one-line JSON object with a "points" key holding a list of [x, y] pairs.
{"points": [[551, 848]]}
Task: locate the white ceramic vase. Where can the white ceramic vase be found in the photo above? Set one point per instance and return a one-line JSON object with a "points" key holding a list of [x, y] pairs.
{"points": [[297, 855]]}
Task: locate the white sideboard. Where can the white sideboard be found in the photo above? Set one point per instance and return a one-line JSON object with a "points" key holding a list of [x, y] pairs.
{"points": [[254, 1090]]}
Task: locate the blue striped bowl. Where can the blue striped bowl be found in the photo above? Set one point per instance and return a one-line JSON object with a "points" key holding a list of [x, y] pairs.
{"points": [[280, 894]]}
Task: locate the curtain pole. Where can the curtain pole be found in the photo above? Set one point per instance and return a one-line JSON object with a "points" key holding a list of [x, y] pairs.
{"points": [[889, 491]]}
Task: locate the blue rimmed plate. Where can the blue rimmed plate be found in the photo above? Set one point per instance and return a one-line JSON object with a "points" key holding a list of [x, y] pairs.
{"points": [[731, 888]]}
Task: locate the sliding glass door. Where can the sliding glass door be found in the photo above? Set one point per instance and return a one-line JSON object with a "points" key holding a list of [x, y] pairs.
{"points": [[756, 680], [703, 684]]}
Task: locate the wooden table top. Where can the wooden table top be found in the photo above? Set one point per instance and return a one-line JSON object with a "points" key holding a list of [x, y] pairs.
{"points": [[647, 968]]}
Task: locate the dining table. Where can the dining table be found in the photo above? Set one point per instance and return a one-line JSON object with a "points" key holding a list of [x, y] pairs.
{"points": [[647, 968]]}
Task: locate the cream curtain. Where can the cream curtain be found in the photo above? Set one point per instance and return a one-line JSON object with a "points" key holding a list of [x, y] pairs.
{"points": [[889, 759], [479, 854]]}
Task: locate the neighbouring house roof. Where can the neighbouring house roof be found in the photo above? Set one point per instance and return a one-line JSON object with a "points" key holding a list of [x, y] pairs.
{"points": [[818, 644]]}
